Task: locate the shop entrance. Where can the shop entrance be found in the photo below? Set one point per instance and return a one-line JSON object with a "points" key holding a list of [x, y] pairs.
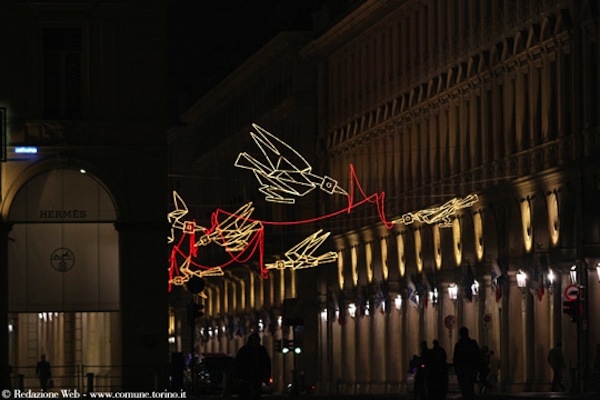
{"points": [[63, 289]]}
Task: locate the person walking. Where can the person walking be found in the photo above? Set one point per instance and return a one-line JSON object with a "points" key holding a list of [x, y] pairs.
{"points": [[253, 368], [596, 378], [420, 377], [484, 370], [43, 371], [557, 363], [494, 371], [437, 373], [466, 363]]}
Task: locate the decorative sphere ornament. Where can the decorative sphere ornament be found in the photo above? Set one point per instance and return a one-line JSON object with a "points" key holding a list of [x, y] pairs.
{"points": [[195, 285]]}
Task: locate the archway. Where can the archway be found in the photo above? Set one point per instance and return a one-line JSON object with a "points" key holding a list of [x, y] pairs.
{"points": [[63, 269]]}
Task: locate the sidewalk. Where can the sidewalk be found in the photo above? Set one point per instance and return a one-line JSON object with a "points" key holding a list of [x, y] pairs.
{"points": [[451, 396]]}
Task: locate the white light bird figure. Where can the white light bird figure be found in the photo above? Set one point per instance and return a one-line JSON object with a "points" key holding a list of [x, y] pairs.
{"points": [[187, 273], [283, 176], [442, 214], [300, 256], [235, 231], [175, 216]]}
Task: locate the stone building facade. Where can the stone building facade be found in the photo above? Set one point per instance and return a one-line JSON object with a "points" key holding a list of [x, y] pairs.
{"points": [[83, 199], [437, 100], [466, 136]]}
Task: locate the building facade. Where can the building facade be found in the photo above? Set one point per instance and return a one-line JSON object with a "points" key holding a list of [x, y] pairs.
{"points": [[434, 101], [465, 135], [83, 177], [274, 89]]}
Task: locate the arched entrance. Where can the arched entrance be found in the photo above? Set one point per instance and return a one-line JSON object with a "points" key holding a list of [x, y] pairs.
{"points": [[63, 279]]}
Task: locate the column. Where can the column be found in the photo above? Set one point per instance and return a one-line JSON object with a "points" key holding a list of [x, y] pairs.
{"points": [[4, 360]]}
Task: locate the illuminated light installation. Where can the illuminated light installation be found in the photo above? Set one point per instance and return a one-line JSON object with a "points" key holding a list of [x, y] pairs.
{"points": [[239, 235], [441, 215], [340, 265], [300, 256], [174, 218], [384, 258], [235, 232], [526, 223], [478, 228], [553, 218], [437, 247], [456, 235], [280, 176], [369, 261]]}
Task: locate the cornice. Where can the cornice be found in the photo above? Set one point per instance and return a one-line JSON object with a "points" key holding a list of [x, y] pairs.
{"points": [[366, 15]]}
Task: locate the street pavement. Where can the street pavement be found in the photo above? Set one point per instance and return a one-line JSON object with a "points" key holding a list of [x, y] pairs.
{"points": [[452, 396]]}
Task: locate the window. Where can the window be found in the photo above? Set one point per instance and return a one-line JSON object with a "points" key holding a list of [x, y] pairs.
{"points": [[62, 73]]}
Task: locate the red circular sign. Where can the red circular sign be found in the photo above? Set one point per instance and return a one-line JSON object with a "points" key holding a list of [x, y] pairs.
{"points": [[487, 320], [572, 292], [450, 322]]}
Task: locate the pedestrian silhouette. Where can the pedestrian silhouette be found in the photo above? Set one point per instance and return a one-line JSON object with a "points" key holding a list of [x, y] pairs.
{"points": [[253, 368], [436, 375], [420, 376], [597, 368], [466, 363], [494, 370], [484, 369], [42, 370], [557, 363]]}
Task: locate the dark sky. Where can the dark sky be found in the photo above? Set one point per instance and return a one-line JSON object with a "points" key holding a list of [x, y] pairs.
{"points": [[209, 39]]}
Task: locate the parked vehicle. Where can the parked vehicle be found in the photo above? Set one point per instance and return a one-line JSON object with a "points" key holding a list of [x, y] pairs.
{"points": [[212, 374]]}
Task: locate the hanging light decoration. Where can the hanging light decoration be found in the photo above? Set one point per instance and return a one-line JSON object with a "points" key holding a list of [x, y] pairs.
{"points": [[453, 291], [521, 279]]}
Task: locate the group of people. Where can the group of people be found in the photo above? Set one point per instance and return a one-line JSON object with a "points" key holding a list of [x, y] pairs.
{"points": [[472, 365], [431, 372]]}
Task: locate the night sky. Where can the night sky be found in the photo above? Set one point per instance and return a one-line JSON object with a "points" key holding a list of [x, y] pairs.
{"points": [[209, 39]]}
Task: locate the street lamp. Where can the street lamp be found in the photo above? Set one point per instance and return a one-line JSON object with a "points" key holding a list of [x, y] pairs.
{"points": [[475, 288], [324, 314], [352, 310], [453, 291], [398, 302], [551, 278], [521, 279], [433, 297], [573, 274]]}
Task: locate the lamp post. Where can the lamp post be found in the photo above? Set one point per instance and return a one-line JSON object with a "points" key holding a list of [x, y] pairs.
{"points": [[398, 302], [522, 281], [433, 297], [573, 274], [551, 277]]}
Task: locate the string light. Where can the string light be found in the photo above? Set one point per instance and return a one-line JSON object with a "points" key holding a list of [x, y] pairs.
{"points": [[300, 256], [442, 214], [280, 177]]}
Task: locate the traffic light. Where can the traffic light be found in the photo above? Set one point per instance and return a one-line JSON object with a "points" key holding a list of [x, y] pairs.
{"points": [[194, 311], [571, 308], [291, 345], [278, 345]]}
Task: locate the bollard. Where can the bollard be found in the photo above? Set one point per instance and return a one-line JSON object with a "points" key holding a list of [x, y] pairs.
{"points": [[90, 381]]}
